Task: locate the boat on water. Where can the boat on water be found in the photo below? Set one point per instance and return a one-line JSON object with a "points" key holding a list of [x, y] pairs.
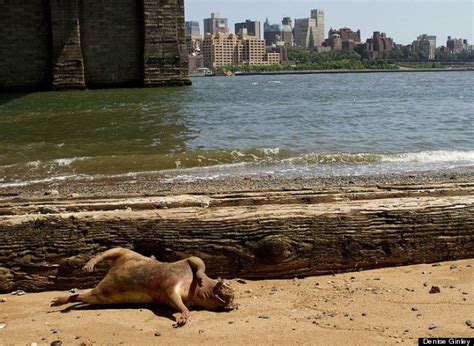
{"points": [[202, 72]]}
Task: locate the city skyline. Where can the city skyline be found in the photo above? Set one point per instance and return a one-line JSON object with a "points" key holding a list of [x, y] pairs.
{"points": [[402, 20]]}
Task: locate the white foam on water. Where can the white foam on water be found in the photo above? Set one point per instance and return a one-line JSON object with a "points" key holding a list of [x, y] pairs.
{"points": [[438, 156], [65, 162], [271, 151], [45, 181], [34, 164]]}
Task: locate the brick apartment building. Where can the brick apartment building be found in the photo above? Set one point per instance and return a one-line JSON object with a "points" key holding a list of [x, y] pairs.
{"points": [[235, 50], [379, 45], [342, 39]]}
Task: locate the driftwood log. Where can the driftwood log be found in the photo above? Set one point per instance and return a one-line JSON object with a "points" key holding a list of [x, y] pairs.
{"points": [[256, 235]]}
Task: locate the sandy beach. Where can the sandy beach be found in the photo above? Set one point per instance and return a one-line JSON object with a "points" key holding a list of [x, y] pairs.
{"points": [[386, 306]]}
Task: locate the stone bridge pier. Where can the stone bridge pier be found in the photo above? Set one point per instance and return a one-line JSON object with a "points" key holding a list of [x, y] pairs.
{"points": [[78, 44]]}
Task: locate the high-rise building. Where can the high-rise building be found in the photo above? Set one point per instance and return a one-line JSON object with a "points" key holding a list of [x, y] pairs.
{"points": [[278, 34], [287, 21], [426, 44], [252, 26], [193, 45], [231, 50], [216, 24], [318, 16], [192, 29], [271, 33], [287, 31], [309, 33]]}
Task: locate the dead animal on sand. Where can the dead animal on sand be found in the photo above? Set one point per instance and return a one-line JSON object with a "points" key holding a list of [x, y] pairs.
{"points": [[136, 279]]}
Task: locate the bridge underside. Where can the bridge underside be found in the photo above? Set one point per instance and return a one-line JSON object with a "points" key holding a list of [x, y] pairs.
{"points": [[77, 44]]}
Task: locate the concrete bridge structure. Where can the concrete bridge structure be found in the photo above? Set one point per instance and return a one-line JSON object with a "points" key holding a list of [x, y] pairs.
{"points": [[78, 44]]}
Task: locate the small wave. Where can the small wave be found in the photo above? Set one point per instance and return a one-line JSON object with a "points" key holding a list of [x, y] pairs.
{"points": [[228, 162], [271, 151], [20, 183], [68, 162], [438, 156], [338, 158]]}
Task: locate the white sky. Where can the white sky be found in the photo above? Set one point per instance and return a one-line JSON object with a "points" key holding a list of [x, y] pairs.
{"points": [[401, 19]]}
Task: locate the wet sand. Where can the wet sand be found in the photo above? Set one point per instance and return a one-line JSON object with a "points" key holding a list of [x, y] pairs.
{"points": [[148, 184], [386, 306]]}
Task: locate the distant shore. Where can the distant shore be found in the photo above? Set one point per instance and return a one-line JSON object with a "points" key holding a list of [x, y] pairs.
{"points": [[403, 70]]}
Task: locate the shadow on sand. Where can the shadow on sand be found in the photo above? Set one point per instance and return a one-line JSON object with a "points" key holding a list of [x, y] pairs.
{"points": [[158, 311]]}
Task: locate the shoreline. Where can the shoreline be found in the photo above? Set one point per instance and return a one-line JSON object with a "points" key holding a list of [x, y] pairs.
{"points": [[156, 183], [403, 70]]}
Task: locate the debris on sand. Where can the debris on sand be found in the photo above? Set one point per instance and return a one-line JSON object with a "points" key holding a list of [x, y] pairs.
{"points": [[157, 333], [241, 281], [264, 317], [18, 293], [433, 326], [470, 324], [3, 325]]}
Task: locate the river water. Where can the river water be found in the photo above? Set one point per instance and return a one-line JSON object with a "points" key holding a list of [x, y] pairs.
{"points": [[291, 125]]}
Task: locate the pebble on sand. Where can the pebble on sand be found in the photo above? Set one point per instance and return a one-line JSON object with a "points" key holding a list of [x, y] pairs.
{"points": [[264, 317], [3, 325], [435, 289], [433, 326], [56, 343], [157, 334], [470, 324]]}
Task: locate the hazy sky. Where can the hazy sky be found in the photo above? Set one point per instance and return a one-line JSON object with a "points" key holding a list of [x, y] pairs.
{"points": [[401, 19]]}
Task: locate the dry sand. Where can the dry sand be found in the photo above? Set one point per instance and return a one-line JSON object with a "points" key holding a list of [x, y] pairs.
{"points": [[386, 306]]}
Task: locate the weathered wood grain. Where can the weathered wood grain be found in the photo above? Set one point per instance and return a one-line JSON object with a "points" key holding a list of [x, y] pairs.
{"points": [[274, 234]]}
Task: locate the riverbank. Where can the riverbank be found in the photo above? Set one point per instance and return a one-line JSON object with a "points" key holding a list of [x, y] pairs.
{"points": [[401, 70], [384, 306]]}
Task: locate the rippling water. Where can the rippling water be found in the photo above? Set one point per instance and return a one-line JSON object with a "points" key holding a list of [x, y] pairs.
{"points": [[289, 125]]}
